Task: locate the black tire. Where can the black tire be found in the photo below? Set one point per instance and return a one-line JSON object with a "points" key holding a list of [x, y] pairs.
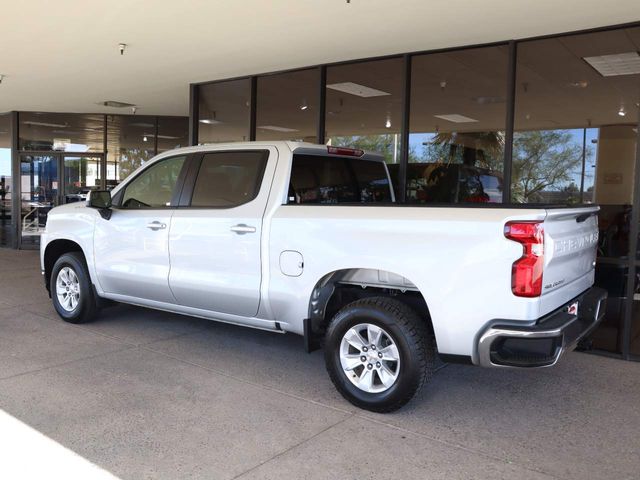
{"points": [[412, 337], [86, 308]]}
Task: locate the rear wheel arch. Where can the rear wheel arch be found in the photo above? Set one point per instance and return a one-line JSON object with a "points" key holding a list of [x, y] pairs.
{"points": [[332, 292]]}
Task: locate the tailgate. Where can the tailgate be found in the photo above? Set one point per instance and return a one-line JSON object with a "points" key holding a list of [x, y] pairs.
{"points": [[571, 239]]}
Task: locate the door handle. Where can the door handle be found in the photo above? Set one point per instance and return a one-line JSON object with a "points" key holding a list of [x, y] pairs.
{"points": [[156, 225], [241, 229]]}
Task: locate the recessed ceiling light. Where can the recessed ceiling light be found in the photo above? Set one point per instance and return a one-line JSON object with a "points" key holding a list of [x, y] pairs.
{"points": [[617, 64], [357, 89], [456, 118], [116, 104], [45, 124], [621, 112], [66, 132], [166, 137], [304, 105], [489, 100], [210, 121], [579, 84], [275, 128], [388, 122]]}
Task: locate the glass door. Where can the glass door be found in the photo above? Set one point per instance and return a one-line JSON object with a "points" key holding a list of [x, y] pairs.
{"points": [[39, 193], [81, 174]]}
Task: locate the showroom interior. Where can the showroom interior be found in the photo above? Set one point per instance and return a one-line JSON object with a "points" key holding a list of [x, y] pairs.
{"points": [[549, 119]]}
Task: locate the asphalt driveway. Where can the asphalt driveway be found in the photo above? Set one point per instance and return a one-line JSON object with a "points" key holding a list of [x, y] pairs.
{"points": [[145, 394]]}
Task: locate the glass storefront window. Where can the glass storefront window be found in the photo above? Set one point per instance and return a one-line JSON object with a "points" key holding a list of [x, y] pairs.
{"points": [[62, 157], [224, 110], [457, 124], [61, 132], [364, 108], [634, 329], [575, 133], [568, 113], [39, 187], [130, 143], [548, 166], [81, 174], [287, 106], [173, 132], [6, 231]]}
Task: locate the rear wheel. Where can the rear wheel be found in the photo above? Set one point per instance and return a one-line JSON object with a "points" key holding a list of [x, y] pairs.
{"points": [[71, 290], [378, 353]]}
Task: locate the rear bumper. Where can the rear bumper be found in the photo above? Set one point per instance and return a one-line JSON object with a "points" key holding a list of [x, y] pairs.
{"points": [[505, 344]]}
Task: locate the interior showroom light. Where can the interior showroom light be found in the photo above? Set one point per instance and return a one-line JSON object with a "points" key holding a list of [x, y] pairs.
{"points": [[621, 112], [357, 89], [276, 128], [456, 118], [613, 65]]}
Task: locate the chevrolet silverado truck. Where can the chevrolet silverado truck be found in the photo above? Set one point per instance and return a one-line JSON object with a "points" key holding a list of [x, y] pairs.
{"points": [[308, 239]]}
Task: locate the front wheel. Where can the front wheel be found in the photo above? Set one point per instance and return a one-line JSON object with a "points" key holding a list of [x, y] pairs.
{"points": [[378, 353], [71, 290]]}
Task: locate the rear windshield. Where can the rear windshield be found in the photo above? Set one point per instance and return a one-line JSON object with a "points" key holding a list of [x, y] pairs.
{"points": [[317, 179]]}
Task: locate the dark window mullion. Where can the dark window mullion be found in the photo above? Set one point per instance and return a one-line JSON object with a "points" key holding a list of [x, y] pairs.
{"points": [[253, 110], [322, 103], [404, 134], [509, 125]]}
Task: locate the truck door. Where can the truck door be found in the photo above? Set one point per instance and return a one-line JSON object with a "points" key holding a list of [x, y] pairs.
{"points": [[131, 247], [215, 237]]}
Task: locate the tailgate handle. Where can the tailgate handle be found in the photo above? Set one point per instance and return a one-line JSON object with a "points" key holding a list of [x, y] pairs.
{"points": [[581, 218]]}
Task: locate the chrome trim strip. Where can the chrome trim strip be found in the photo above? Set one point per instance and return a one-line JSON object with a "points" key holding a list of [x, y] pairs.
{"points": [[493, 333], [488, 337]]}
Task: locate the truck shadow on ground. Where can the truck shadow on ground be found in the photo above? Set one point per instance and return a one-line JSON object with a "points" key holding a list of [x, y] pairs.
{"points": [[282, 364]]}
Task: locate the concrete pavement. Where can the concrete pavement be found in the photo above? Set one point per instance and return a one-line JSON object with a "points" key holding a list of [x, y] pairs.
{"points": [[145, 394]]}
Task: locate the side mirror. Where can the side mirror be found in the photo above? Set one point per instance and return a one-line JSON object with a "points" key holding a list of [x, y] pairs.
{"points": [[101, 201]]}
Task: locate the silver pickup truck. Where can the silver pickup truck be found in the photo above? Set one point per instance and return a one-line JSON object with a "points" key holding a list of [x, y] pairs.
{"points": [[293, 237]]}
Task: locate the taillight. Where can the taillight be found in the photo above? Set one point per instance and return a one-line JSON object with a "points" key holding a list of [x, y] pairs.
{"points": [[526, 272], [350, 152]]}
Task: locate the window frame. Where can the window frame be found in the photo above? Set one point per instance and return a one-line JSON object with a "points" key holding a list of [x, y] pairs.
{"points": [[177, 189], [191, 177]]}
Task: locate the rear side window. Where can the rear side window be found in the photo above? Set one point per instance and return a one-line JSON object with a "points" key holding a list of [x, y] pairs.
{"points": [[317, 179], [229, 179]]}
